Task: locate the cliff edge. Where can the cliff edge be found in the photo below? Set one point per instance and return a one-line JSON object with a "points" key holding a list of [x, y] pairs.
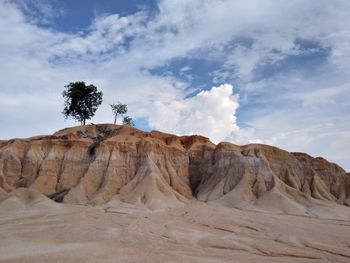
{"points": [[93, 163]]}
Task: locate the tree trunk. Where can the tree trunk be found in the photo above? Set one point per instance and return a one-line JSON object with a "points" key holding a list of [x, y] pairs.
{"points": [[115, 119], [84, 121]]}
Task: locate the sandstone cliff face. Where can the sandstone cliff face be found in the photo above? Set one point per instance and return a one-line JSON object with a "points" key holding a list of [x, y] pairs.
{"points": [[267, 178], [93, 163]]}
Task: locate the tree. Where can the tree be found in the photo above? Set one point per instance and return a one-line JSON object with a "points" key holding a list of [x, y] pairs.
{"points": [[118, 109], [128, 121], [81, 101]]}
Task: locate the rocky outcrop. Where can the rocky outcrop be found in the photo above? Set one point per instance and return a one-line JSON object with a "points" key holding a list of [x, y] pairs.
{"points": [[91, 164], [262, 177]]}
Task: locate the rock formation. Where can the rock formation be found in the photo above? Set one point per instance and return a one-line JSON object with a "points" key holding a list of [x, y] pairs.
{"points": [[91, 164]]}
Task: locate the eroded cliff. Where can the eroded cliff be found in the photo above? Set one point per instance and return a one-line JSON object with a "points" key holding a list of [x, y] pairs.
{"points": [[91, 164]]}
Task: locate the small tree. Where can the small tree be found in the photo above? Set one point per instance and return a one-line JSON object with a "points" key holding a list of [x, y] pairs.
{"points": [[81, 101], [118, 109], [128, 121]]}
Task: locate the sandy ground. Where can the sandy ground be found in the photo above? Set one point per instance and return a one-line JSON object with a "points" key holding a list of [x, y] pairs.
{"points": [[120, 232]]}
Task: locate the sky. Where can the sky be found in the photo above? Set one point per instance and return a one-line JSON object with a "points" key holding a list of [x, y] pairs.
{"points": [[243, 71]]}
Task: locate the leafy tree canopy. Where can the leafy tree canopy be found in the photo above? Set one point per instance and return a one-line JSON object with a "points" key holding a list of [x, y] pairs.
{"points": [[118, 109], [128, 121], [81, 101]]}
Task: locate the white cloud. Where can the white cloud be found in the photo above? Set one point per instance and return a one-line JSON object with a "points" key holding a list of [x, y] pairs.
{"points": [[328, 138], [210, 113], [104, 39], [116, 53], [39, 11], [243, 136]]}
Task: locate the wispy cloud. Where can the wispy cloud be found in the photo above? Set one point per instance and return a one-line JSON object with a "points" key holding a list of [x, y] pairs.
{"points": [[288, 61]]}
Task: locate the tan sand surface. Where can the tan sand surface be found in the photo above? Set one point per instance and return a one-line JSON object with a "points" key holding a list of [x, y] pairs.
{"points": [[36, 229]]}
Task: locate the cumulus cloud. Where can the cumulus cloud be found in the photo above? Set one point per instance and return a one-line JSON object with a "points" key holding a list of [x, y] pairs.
{"points": [[210, 113], [243, 136], [119, 54]]}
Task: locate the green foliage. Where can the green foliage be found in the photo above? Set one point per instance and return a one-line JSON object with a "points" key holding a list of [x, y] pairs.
{"points": [[118, 109], [81, 101], [128, 121]]}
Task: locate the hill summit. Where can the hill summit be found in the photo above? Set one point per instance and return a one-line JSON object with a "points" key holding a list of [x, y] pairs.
{"points": [[94, 164]]}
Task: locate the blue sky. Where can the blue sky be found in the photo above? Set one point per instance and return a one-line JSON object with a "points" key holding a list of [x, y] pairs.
{"points": [[274, 72]]}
